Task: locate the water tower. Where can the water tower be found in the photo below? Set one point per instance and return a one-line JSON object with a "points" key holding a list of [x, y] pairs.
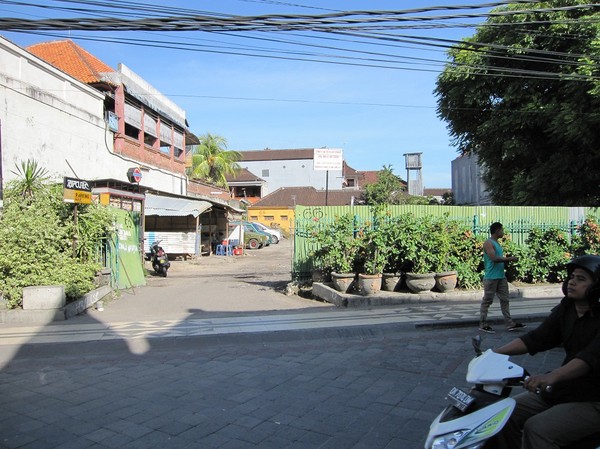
{"points": [[414, 182]]}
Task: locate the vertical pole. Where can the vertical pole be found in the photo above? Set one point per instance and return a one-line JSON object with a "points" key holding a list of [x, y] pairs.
{"points": [[75, 231], [197, 246], [326, 186]]}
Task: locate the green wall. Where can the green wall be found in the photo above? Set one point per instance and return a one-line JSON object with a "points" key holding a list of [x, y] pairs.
{"points": [[517, 221]]}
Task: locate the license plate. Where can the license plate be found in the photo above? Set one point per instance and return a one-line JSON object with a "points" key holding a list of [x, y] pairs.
{"points": [[460, 399]]}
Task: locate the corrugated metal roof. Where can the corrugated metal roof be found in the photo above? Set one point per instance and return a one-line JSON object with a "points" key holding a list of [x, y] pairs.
{"points": [[166, 206]]}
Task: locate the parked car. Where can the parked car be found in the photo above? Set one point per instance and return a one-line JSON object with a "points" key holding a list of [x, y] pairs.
{"points": [[253, 239], [275, 233]]}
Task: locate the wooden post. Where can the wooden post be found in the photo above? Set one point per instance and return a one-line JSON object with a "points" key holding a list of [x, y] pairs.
{"points": [[75, 231]]}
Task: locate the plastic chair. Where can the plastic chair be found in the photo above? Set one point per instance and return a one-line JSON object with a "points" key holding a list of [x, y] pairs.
{"points": [[221, 250]]}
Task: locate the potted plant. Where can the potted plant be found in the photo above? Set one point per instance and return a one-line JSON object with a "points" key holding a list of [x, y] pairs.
{"points": [[420, 254], [391, 278], [444, 233], [337, 250], [372, 257]]}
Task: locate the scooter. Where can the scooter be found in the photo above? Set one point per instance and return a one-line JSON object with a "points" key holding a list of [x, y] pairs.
{"points": [[472, 418], [159, 259]]}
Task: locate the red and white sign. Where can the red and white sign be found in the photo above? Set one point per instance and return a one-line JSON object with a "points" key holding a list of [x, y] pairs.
{"points": [[134, 175]]}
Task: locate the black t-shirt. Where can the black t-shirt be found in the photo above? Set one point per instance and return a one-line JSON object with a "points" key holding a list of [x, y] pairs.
{"points": [[580, 337]]}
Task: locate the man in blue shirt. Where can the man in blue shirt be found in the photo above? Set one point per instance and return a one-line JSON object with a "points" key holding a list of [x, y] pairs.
{"points": [[494, 280]]}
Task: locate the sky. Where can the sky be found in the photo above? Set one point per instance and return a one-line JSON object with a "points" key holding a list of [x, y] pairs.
{"points": [[374, 111]]}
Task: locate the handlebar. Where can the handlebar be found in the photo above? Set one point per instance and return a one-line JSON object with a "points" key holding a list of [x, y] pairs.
{"points": [[547, 388]]}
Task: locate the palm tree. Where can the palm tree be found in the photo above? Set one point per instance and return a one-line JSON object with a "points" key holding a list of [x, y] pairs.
{"points": [[211, 160]]}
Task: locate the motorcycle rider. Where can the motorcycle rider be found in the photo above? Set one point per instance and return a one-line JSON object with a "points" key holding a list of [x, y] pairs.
{"points": [[563, 405]]}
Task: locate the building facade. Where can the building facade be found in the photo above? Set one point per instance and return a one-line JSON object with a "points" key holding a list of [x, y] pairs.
{"points": [[468, 186], [289, 168]]}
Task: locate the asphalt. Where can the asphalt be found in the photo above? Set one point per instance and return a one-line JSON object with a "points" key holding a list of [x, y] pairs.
{"points": [[216, 356]]}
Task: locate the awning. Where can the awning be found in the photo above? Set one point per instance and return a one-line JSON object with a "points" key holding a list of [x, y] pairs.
{"points": [[165, 206]]}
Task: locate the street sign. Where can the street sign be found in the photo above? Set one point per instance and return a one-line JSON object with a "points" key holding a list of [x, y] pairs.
{"points": [[134, 175], [328, 159], [77, 191]]}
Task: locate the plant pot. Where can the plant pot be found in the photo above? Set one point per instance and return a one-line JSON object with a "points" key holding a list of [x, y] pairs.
{"points": [[390, 282], [342, 282], [369, 284], [320, 275], [418, 283], [446, 281]]}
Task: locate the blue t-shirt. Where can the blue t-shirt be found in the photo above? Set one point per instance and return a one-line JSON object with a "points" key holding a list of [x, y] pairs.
{"points": [[493, 270]]}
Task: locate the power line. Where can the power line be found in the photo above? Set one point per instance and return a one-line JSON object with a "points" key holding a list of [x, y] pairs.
{"points": [[281, 22], [352, 35]]}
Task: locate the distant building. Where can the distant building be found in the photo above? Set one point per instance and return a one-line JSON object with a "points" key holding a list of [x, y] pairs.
{"points": [[468, 186], [289, 168], [277, 208], [245, 186], [437, 194]]}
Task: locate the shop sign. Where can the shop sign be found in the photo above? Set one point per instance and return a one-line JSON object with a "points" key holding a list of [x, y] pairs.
{"points": [[77, 191]]}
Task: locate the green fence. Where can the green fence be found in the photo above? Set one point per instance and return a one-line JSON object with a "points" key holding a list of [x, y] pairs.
{"points": [[517, 221]]}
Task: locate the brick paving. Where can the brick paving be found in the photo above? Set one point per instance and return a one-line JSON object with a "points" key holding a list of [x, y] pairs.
{"points": [[355, 388], [216, 357]]}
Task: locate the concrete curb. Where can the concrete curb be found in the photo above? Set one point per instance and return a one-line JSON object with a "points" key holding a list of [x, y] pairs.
{"points": [[326, 292], [45, 316]]}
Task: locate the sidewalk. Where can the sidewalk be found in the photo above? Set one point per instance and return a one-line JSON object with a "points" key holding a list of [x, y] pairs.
{"points": [[102, 326], [227, 296]]}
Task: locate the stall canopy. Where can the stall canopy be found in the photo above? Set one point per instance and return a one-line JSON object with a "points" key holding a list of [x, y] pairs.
{"points": [[174, 207]]}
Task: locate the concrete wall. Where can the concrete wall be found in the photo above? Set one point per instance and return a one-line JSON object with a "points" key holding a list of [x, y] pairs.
{"points": [[293, 173], [53, 118]]}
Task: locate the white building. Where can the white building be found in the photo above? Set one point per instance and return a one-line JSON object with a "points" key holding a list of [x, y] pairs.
{"points": [[290, 168]]}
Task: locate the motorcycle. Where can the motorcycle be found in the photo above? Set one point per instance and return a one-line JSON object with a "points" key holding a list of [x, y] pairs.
{"points": [[159, 259], [472, 418]]}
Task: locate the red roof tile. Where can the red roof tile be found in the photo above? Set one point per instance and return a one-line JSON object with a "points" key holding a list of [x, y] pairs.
{"points": [[244, 175], [308, 196], [277, 155], [72, 59]]}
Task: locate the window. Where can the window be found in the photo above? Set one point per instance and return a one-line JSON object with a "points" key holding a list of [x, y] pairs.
{"points": [[149, 140], [165, 147], [254, 217], [270, 217], [265, 173], [283, 218], [132, 131]]}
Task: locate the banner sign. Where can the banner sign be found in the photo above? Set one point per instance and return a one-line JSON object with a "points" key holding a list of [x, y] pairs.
{"points": [[328, 159], [77, 191]]}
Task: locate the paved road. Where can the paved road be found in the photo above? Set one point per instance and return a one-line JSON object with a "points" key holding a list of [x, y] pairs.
{"points": [[188, 372], [345, 388]]}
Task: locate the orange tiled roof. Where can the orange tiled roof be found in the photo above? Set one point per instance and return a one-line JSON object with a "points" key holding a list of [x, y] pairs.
{"points": [[72, 59]]}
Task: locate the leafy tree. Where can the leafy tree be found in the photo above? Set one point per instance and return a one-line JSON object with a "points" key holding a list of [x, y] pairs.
{"points": [[212, 161], [387, 190], [448, 199], [524, 95]]}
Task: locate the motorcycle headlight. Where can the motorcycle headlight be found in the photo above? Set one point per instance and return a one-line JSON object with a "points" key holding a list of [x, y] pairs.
{"points": [[451, 440]]}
